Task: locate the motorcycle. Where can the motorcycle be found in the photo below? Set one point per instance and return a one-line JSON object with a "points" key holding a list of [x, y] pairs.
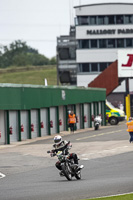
{"points": [[69, 169], [97, 122]]}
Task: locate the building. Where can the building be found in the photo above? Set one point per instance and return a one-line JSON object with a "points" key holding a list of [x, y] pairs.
{"points": [[31, 111], [66, 58], [101, 29]]}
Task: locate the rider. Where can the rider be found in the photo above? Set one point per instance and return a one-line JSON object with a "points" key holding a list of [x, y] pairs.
{"points": [[63, 145]]}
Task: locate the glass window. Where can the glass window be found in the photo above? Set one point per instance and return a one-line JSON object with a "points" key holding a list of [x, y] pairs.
{"points": [[128, 19], [79, 20], [85, 67], [109, 63], [107, 108], [94, 67], [119, 19], [79, 44], [80, 67], [129, 42], [84, 20], [93, 43], [76, 21], [102, 43], [93, 20], [101, 19], [120, 43], [103, 66], [110, 19], [111, 43], [85, 44]]}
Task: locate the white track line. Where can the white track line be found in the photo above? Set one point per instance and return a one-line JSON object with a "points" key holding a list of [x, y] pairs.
{"points": [[112, 195], [2, 175]]}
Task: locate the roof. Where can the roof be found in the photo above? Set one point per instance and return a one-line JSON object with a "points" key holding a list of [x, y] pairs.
{"points": [[101, 4], [13, 85]]}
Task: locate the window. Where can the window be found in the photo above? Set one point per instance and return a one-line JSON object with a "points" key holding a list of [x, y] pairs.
{"points": [[76, 21], [101, 20], [111, 43], [85, 44], [103, 66], [94, 67], [84, 20], [129, 42], [79, 44], [110, 19], [93, 43], [93, 20], [85, 67], [128, 19], [119, 19], [120, 43], [107, 108], [104, 19], [102, 43], [80, 67]]}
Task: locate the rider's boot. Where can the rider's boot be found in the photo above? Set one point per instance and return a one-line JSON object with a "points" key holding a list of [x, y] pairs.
{"points": [[80, 167], [61, 173]]}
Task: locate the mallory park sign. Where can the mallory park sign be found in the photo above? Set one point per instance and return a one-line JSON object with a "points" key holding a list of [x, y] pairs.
{"points": [[109, 31]]}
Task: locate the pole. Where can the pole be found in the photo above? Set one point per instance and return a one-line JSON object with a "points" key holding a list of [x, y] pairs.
{"points": [[127, 100], [57, 67]]}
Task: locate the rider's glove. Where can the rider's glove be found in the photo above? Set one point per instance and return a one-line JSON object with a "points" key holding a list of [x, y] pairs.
{"points": [[52, 154]]}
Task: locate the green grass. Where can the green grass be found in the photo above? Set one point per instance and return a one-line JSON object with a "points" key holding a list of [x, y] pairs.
{"points": [[120, 197], [30, 76]]}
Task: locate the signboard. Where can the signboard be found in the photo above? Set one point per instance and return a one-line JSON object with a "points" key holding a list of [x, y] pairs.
{"points": [[125, 63]]}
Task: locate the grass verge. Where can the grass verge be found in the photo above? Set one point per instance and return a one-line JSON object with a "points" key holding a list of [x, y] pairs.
{"points": [[30, 76], [119, 197]]}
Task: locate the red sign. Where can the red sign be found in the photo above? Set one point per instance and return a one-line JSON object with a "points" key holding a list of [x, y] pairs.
{"points": [[129, 62]]}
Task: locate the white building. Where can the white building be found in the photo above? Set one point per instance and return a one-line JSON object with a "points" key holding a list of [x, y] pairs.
{"points": [[102, 29]]}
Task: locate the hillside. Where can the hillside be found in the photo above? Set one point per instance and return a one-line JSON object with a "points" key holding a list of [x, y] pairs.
{"points": [[29, 75]]}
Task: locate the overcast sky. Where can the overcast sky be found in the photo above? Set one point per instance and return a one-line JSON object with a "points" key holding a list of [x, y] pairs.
{"points": [[39, 22]]}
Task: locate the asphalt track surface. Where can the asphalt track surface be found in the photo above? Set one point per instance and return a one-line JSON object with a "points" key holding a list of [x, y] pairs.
{"points": [[30, 173]]}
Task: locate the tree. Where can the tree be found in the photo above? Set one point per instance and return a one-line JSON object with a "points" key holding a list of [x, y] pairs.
{"points": [[53, 61], [19, 54]]}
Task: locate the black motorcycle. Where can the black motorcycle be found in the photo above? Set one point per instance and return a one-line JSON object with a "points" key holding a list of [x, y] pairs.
{"points": [[69, 169]]}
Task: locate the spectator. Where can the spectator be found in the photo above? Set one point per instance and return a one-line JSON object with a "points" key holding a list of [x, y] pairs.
{"points": [[130, 129], [71, 121]]}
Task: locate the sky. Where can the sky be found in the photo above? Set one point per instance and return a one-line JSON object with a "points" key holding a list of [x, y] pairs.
{"points": [[39, 22]]}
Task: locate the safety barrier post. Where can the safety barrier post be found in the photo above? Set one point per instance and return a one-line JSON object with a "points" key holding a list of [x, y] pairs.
{"points": [[57, 113], [7, 127], [49, 130], [29, 117], [19, 126], [39, 123], [90, 115]]}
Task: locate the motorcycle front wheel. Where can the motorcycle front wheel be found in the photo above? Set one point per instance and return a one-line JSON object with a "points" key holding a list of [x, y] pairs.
{"points": [[96, 127], [66, 171]]}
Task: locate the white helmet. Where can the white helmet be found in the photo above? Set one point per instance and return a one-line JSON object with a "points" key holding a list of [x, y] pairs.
{"points": [[57, 139]]}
